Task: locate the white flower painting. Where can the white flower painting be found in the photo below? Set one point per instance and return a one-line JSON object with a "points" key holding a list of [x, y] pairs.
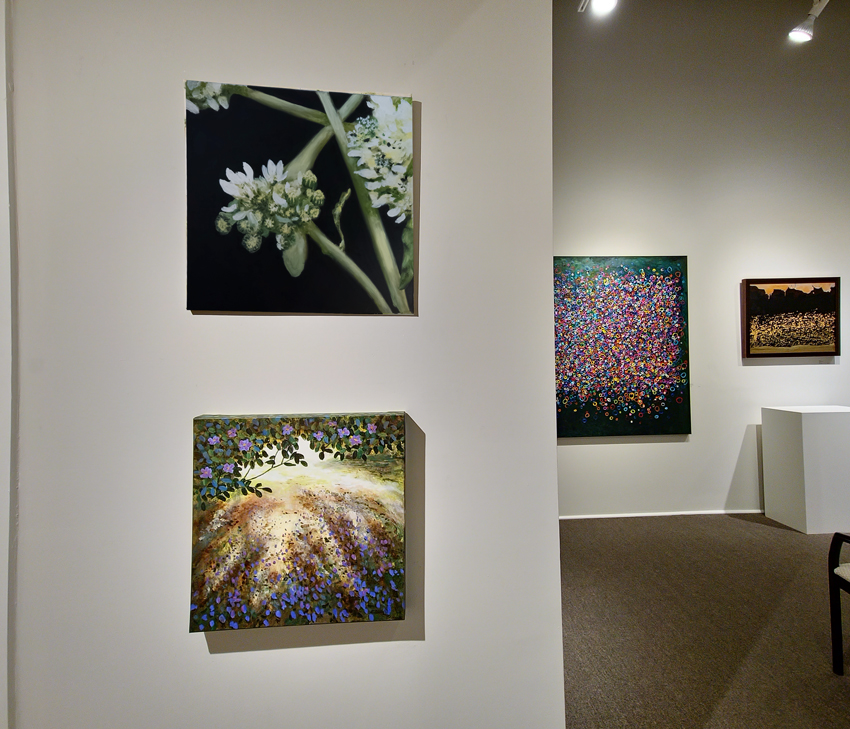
{"points": [[324, 179]]}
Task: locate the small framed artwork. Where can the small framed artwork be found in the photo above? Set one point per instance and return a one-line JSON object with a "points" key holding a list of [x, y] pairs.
{"points": [[790, 317]]}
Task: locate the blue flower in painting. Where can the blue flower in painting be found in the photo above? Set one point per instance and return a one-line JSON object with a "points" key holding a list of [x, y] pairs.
{"points": [[343, 432], [206, 472], [318, 435], [212, 441], [245, 445], [227, 468], [287, 429]]}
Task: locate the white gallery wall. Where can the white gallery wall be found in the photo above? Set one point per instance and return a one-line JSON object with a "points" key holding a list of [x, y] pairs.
{"points": [[113, 369], [9, 493], [698, 129]]}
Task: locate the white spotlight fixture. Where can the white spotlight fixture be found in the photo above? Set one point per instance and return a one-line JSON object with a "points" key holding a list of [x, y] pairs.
{"points": [[806, 29], [599, 7]]}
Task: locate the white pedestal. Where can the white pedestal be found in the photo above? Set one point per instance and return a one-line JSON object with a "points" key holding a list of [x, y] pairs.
{"points": [[806, 459]]}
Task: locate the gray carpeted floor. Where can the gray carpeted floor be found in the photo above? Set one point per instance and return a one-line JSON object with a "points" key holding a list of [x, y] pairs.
{"points": [[716, 622]]}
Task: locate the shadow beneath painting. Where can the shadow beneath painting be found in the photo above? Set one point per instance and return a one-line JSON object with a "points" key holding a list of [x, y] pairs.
{"points": [[787, 361], [623, 439], [413, 625]]}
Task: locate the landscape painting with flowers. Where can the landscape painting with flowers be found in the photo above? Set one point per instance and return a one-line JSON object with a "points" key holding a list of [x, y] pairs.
{"points": [[297, 520], [298, 201]]}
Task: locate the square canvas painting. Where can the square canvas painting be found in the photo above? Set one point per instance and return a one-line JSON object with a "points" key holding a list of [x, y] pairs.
{"points": [[621, 346], [298, 201], [297, 520], [790, 317]]}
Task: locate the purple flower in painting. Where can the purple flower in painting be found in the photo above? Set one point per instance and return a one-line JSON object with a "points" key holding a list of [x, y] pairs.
{"points": [[206, 472], [231, 433], [245, 445], [287, 429], [318, 435], [332, 423], [212, 441], [371, 427], [356, 440], [227, 468], [343, 432]]}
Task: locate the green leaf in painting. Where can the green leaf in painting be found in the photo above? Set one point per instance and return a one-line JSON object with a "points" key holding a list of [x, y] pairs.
{"points": [[337, 212], [295, 256]]}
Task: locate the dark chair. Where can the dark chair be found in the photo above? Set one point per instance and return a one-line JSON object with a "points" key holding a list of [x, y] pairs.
{"points": [[839, 579]]}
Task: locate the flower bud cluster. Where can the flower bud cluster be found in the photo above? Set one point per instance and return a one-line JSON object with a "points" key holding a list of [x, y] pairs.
{"points": [[269, 205], [207, 95]]}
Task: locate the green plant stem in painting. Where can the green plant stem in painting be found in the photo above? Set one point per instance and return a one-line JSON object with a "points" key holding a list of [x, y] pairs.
{"points": [[270, 468], [305, 159], [329, 248], [293, 109], [296, 256], [372, 216]]}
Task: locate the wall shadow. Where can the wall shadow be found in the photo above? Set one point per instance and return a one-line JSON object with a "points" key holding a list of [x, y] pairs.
{"points": [[748, 468], [786, 361], [623, 439]]}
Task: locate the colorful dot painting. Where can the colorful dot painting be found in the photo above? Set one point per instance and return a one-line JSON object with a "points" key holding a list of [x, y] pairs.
{"points": [[621, 346]]}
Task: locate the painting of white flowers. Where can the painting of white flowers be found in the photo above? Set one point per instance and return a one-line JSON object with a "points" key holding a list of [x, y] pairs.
{"points": [[297, 520], [298, 201]]}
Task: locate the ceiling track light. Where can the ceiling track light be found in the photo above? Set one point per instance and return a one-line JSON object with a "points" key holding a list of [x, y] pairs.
{"points": [[806, 29], [597, 7]]}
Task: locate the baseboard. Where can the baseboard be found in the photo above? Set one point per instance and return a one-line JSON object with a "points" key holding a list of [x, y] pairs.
{"points": [[664, 513]]}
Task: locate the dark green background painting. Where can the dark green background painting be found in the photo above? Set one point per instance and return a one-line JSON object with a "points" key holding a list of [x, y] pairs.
{"points": [[621, 346]]}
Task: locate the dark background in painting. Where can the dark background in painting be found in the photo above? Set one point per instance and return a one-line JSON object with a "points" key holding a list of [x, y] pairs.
{"points": [[676, 420], [221, 274], [791, 301]]}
